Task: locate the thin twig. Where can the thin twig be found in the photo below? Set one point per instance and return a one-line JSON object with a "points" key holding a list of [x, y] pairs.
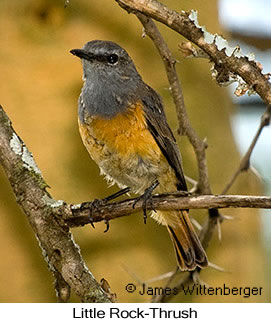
{"points": [[185, 127], [184, 281], [245, 162], [194, 184], [219, 231], [161, 277], [159, 298], [216, 267], [186, 25], [82, 214]]}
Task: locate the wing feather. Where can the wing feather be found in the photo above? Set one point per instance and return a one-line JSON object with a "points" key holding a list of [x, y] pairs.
{"points": [[160, 130]]}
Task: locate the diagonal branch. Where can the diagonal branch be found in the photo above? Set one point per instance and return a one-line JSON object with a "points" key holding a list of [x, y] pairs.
{"points": [[199, 146], [58, 247], [186, 25], [245, 162], [50, 219], [228, 65], [185, 127]]}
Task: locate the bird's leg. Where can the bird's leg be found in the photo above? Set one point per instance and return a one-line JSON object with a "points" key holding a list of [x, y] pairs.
{"points": [[146, 197], [97, 203], [115, 195]]}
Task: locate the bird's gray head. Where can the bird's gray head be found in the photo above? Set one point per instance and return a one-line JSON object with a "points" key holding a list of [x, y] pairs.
{"points": [[111, 78]]}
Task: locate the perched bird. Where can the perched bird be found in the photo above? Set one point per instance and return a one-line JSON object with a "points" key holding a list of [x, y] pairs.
{"points": [[124, 128]]}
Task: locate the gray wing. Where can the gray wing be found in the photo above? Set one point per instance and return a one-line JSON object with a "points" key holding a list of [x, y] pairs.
{"points": [[159, 128]]}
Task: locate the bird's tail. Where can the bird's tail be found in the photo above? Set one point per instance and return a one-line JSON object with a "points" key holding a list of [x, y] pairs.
{"points": [[188, 249]]}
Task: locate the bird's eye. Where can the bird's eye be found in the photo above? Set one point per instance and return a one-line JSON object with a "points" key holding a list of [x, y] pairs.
{"points": [[112, 59]]}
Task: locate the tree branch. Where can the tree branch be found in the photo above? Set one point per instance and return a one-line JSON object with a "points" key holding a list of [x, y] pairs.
{"points": [[186, 25], [245, 162], [50, 219], [226, 65], [185, 127], [81, 214], [58, 247]]}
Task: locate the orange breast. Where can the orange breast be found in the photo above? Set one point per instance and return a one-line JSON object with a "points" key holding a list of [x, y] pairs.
{"points": [[126, 151], [126, 133]]}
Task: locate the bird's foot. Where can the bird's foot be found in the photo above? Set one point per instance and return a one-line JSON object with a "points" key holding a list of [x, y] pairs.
{"points": [[146, 197], [97, 203]]}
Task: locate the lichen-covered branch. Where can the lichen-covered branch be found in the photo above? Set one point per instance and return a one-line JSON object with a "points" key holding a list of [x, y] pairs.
{"points": [[58, 247], [228, 65], [227, 61], [51, 219]]}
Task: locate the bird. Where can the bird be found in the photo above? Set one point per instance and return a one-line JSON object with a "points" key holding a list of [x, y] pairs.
{"points": [[124, 128]]}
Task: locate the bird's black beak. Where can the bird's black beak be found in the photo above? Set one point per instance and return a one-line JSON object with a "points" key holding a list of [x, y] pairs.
{"points": [[81, 53]]}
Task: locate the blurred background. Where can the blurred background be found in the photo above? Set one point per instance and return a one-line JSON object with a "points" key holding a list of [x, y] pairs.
{"points": [[41, 82]]}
